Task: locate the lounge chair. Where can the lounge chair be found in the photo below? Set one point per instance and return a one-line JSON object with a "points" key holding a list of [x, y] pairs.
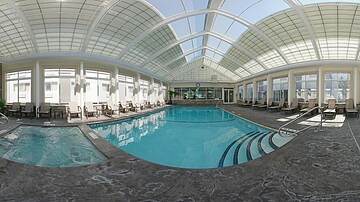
{"points": [[276, 107], [350, 109], [15, 109], [123, 109], [90, 109], [131, 107], [158, 104], [248, 103], [330, 111], [311, 105], [74, 108], [261, 104], [148, 105], [293, 107], [28, 110], [44, 109]]}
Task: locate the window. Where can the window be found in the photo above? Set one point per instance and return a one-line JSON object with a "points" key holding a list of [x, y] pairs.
{"points": [[241, 92], [59, 85], [144, 90], [249, 91], [280, 89], [18, 86], [306, 87], [126, 88], [337, 85], [97, 88], [199, 93], [261, 90]]}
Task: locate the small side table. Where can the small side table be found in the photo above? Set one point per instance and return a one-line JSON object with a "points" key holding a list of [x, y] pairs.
{"points": [[58, 113]]}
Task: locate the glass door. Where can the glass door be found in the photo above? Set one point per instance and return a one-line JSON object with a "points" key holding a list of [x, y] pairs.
{"points": [[228, 96]]}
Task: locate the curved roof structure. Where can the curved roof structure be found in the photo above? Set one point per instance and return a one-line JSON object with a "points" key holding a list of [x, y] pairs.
{"points": [[229, 39]]}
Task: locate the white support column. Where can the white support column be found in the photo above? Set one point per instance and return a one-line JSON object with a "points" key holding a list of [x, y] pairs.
{"points": [[82, 87], [161, 93], [269, 93], [320, 86], [137, 88], [254, 92], [115, 86], [152, 91], [355, 85], [245, 92], [37, 84], [291, 87]]}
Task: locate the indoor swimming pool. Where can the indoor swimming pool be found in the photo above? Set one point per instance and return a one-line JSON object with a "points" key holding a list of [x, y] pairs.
{"points": [[191, 137], [49, 147]]}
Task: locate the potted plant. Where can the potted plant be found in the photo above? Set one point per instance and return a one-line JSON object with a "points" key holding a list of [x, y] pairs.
{"points": [[171, 95], [2, 105]]}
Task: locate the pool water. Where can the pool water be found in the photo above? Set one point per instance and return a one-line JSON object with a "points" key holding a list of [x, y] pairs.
{"points": [[191, 137], [49, 147]]}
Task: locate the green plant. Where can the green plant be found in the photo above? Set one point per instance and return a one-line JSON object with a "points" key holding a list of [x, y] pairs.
{"points": [[2, 104], [172, 94]]}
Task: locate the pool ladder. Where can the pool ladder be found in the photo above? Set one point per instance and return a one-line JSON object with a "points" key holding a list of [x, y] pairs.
{"points": [[287, 131], [3, 119]]}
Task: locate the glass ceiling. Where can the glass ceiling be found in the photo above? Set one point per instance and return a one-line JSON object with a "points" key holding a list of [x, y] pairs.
{"points": [[232, 40]]}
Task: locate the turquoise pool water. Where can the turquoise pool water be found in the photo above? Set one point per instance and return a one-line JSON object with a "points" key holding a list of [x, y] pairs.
{"points": [[191, 137], [49, 147]]}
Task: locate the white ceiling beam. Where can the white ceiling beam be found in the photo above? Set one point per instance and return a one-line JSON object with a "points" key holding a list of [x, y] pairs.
{"points": [[246, 52], [20, 14], [211, 49], [183, 70], [300, 12], [174, 18], [210, 18]]}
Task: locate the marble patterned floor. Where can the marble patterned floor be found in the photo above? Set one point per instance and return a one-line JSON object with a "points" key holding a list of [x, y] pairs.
{"points": [[313, 167]]}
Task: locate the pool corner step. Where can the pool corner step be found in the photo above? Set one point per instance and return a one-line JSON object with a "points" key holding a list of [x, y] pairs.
{"points": [[237, 149]]}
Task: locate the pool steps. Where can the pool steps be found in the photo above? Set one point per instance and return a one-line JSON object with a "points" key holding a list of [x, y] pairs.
{"points": [[251, 146]]}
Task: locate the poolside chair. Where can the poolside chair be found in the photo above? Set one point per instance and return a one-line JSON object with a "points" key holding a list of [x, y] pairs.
{"points": [[293, 107], [123, 109], [261, 104], [44, 109], [276, 107], [74, 109], [90, 109], [28, 110], [350, 109], [158, 104], [311, 105], [330, 111], [15, 109], [131, 107], [248, 103]]}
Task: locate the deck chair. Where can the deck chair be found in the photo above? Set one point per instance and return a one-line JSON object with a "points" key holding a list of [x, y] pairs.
{"points": [[261, 104], [28, 110], [350, 109], [74, 109], [276, 107], [131, 107], [311, 105], [330, 111], [123, 109], [90, 109], [248, 103], [15, 109], [44, 109], [294, 106]]}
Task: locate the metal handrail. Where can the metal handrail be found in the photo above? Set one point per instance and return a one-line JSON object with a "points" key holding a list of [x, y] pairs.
{"points": [[297, 118], [4, 117]]}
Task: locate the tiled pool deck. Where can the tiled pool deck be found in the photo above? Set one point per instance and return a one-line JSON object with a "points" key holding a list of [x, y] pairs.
{"points": [[314, 166]]}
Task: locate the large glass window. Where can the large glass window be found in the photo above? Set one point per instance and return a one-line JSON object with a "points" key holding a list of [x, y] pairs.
{"points": [[59, 85], [241, 92], [97, 89], [199, 93], [306, 87], [337, 85], [144, 90], [261, 90], [126, 88], [249, 91], [18, 86], [280, 89]]}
